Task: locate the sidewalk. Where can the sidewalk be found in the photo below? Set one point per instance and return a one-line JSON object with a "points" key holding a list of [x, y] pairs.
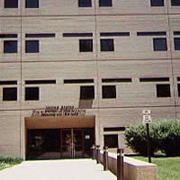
{"points": [[75, 169]]}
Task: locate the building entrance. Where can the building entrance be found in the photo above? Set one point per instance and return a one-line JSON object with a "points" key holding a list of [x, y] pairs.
{"points": [[59, 143]]}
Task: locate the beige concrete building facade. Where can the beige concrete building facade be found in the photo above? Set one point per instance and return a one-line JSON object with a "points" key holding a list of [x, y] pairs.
{"points": [[83, 70]]}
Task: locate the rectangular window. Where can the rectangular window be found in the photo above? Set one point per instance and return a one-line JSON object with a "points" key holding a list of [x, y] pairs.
{"points": [[31, 93], [107, 44], [176, 33], [84, 3], [151, 79], [106, 129], [87, 92], [106, 34], [32, 3], [8, 35], [175, 2], [159, 44], [157, 33], [111, 141], [157, 2], [32, 46], [42, 35], [163, 90], [177, 43], [178, 90], [105, 3], [10, 3], [119, 80], [8, 82], [10, 94], [108, 92], [85, 45], [77, 34], [10, 46], [77, 81], [40, 82]]}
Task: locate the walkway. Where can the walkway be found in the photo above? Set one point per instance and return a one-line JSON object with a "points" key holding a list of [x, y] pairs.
{"points": [[77, 169]]}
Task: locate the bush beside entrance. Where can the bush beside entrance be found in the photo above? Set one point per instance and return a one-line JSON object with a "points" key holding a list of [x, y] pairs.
{"points": [[164, 136]]}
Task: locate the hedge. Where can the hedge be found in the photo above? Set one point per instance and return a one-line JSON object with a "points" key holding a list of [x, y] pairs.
{"points": [[164, 136]]}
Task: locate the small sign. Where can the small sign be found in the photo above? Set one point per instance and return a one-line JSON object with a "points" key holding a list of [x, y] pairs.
{"points": [[87, 136], [146, 112], [147, 119]]}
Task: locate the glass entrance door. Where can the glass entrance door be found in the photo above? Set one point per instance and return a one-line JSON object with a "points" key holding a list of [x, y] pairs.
{"points": [[78, 142], [72, 143]]}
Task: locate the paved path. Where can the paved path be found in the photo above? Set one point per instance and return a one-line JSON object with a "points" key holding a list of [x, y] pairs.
{"points": [[77, 169]]}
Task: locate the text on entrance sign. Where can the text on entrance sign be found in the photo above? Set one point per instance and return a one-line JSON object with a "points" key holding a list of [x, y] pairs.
{"points": [[59, 111]]}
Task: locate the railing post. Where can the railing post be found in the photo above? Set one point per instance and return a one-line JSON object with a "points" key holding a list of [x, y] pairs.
{"points": [[93, 151], [105, 158], [97, 154], [120, 164]]}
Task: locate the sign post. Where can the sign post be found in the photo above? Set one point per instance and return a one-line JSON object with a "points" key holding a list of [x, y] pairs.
{"points": [[147, 119]]}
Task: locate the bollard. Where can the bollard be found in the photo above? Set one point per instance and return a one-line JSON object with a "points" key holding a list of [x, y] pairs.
{"points": [[120, 164], [97, 154], [93, 151], [105, 158]]}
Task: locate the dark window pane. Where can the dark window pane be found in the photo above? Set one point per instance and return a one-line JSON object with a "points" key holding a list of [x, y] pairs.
{"points": [[86, 45], [32, 3], [8, 82], [85, 3], [107, 45], [77, 34], [108, 91], [179, 90], [87, 92], [41, 35], [175, 2], [32, 46], [10, 46], [106, 34], [40, 82], [160, 44], [177, 43], [10, 3], [163, 90], [77, 81], [154, 79], [31, 93], [8, 35], [9, 94], [157, 2], [111, 141], [105, 3]]}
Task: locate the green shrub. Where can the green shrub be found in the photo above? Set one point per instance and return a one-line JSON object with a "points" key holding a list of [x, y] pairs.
{"points": [[170, 141], [10, 160], [164, 136], [136, 138]]}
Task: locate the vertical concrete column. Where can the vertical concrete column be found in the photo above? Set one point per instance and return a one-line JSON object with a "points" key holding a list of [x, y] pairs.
{"points": [[120, 164], [105, 158]]}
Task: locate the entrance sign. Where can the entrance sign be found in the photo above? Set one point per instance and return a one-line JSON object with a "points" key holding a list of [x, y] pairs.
{"points": [[59, 111]]}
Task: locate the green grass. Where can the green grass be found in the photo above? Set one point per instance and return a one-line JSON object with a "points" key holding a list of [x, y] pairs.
{"points": [[6, 162], [168, 167]]}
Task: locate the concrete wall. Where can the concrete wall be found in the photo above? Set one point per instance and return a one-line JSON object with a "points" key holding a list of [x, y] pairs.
{"points": [[59, 58], [133, 169]]}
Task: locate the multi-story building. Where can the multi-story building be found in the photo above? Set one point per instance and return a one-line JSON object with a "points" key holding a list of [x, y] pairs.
{"points": [[76, 72]]}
